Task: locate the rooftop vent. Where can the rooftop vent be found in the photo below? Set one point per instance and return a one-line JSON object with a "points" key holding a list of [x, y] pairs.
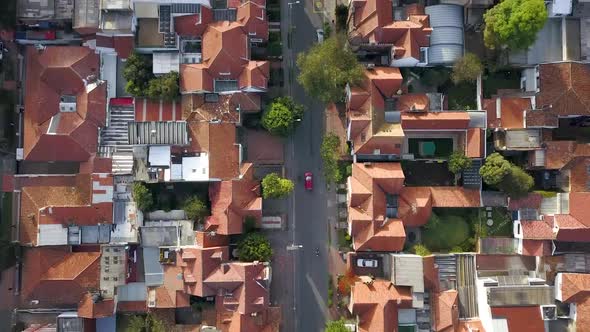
{"points": [[67, 104]]}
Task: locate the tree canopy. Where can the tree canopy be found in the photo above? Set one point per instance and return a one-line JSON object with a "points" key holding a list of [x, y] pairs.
{"points": [[195, 208], [138, 73], [458, 161], [494, 169], [142, 197], [141, 81], [254, 247], [329, 150], [281, 116], [326, 69], [147, 323], [507, 177], [514, 23], [273, 186], [336, 326], [164, 87], [467, 69]]}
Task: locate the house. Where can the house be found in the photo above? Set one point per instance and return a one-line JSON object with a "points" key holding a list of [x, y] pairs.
{"points": [[380, 206], [65, 210], [406, 36], [385, 123], [379, 305], [65, 105], [232, 201], [572, 289]]}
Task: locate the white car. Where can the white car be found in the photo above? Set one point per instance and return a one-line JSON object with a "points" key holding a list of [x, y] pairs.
{"points": [[366, 262], [320, 33]]}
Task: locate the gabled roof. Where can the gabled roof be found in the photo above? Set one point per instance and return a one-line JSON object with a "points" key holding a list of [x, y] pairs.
{"points": [[521, 318], [51, 135], [226, 56], [564, 90], [232, 201], [253, 16], [445, 311], [219, 141], [538, 229], [87, 308], [376, 304], [436, 120], [193, 25], [575, 288], [369, 186], [372, 22], [57, 277], [575, 226], [507, 111]]}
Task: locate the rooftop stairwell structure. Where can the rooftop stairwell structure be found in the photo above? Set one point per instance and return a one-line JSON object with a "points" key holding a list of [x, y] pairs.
{"points": [[114, 139]]}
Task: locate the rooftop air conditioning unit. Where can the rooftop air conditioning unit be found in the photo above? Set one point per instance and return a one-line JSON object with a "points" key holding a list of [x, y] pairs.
{"points": [[370, 66]]}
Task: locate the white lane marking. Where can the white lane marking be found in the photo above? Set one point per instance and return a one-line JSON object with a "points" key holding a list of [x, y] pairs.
{"points": [[318, 297]]}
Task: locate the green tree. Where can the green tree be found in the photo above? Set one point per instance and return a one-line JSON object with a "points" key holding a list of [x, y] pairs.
{"points": [[517, 183], [467, 69], [147, 323], [195, 208], [341, 14], [458, 161], [329, 151], [137, 73], [421, 250], [273, 186], [514, 23], [142, 197], [254, 247], [494, 169], [336, 326], [164, 87], [282, 115], [326, 69]]}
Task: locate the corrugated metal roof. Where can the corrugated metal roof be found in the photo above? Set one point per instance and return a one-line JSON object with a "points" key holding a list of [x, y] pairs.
{"points": [[520, 296], [158, 133], [447, 39], [154, 273]]}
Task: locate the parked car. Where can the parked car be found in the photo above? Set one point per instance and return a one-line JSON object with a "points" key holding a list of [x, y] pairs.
{"points": [[362, 262], [308, 181], [320, 33]]}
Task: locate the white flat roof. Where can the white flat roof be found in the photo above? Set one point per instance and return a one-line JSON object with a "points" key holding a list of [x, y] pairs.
{"points": [[165, 62], [195, 168], [159, 155], [52, 235]]}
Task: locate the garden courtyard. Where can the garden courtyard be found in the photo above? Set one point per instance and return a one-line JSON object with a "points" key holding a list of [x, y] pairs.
{"points": [[457, 229]]}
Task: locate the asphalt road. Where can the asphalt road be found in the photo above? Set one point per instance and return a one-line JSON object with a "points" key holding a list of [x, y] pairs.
{"points": [[307, 218]]}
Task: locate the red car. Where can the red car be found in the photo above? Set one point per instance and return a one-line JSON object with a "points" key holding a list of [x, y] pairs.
{"points": [[308, 181]]}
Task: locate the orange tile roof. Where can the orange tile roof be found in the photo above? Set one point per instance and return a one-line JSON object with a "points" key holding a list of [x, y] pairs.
{"points": [[193, 25], [490, 106], [253, 16], [536, 247], [575, 287], [369, 227], [199, 263], [575, 226], [376, 304], [532, 200], [232, 201], [219, 141], [88, 309], [38, 193], [445, 314], [55, 276], [475, 143], [265, 321], [471, 325], [455, 197], [226, 57], [132, 306], [438, 120], [564, 89], [372, 21], [366, 106], [538, 229], [521, 318], [431, 281], [512, 111], [52, 73]]}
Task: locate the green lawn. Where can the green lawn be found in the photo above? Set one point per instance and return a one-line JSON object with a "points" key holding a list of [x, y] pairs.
{"points": [[444, 146], [445, 233], [502, 222]]}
